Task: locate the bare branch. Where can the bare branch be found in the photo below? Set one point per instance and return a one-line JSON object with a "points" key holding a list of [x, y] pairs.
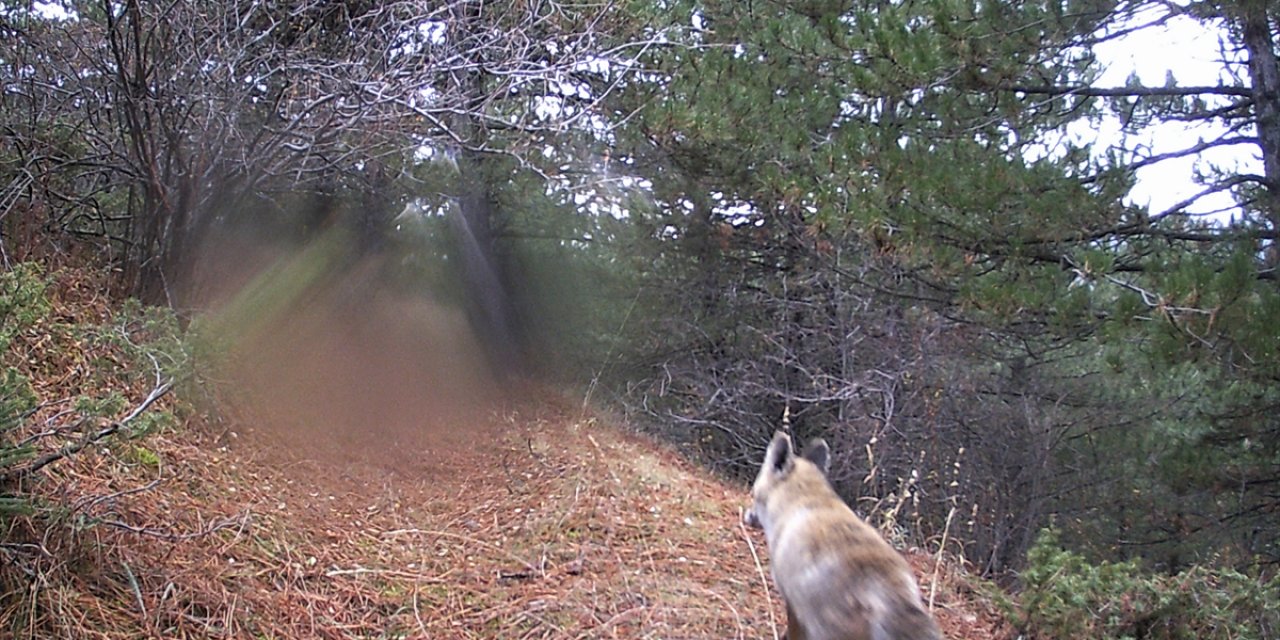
{"points": [[1129, 92], [77, 447]]}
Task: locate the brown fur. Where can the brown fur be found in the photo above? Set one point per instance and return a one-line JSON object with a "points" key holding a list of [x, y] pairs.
{"points": [[840, 580]]}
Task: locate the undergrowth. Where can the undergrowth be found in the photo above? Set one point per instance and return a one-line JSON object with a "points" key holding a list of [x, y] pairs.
{"points": [[1067, 596], [78, 379], [23, 303], [95, 369]]}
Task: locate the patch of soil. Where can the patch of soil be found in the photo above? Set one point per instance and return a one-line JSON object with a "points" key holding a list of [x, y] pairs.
{"points": [[359, 376]]}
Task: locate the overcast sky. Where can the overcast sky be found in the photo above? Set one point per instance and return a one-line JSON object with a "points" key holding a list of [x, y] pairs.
{"points": [[1190, 51]]}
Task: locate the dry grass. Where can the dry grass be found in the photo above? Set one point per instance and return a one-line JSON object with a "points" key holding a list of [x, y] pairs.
{"points": [[517, 521]]}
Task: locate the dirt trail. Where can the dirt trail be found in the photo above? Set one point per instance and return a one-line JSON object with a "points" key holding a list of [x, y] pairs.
{"points": [[374, 484], [419, 501], [459, 513]]}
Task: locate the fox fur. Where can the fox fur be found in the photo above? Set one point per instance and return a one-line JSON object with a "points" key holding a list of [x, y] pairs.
{"points": [[839, 579]]}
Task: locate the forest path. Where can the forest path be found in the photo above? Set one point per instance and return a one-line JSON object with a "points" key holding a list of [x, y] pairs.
{"points": [[411, 497], [530, 522], [426, 504], [364, 479]]}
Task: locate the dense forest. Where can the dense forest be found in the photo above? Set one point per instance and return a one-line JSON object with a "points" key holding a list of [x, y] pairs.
{"points": [[905, 226]]}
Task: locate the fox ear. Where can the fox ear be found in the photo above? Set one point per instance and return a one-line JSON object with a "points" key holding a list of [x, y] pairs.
{"points": [[779, 456], [819, 453]]}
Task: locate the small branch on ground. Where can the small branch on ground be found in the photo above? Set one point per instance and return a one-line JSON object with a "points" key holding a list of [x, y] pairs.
{"points": [[241, 522], [72, 449], [89, 502], [410, 575], [445, 534]]}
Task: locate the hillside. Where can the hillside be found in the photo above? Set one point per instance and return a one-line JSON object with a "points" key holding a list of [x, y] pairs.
{"points": [[479, 519]]}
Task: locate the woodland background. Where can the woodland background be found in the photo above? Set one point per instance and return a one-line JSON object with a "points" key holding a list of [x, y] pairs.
{"points": [[868, 215]]}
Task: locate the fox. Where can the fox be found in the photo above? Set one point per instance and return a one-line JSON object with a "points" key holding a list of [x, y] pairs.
{"points": [[839, 579]]}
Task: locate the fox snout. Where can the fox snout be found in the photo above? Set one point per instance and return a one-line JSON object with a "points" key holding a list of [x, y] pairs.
{"points": [[750, 518]]}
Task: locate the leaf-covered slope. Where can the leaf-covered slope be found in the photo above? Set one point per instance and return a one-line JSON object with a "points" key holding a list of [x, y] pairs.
{"points": [[530, 524], [513, 520]]}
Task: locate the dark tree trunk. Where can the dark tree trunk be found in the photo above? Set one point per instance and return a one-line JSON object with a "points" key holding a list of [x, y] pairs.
{"points": [[1264, 78], [484, 271]]}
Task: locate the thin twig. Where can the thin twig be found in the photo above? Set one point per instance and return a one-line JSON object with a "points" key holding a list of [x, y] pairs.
{"points": [[358, 571], [773, 622], [937, 563], [72, 449], [137, 590], [177, 537], [93, 501], [457, 536]]}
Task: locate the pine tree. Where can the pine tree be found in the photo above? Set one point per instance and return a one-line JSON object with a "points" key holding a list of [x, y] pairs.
{"points": [[808, 158]]}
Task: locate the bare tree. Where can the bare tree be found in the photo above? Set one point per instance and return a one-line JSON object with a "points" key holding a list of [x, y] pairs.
{"points": [[145, 124]]}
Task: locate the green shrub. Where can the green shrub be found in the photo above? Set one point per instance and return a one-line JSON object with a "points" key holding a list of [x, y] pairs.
{"points": [[143, 346], [23, 303], [150, 339], [135, 350], [1066, 596]]}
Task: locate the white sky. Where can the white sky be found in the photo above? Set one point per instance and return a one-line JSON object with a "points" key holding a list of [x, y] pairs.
{"points": [[1189, 50], [53, 10]]}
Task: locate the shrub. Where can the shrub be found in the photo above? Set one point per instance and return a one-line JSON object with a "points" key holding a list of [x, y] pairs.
{"points": [[23, 303], [1066, 596], [101, 360]]}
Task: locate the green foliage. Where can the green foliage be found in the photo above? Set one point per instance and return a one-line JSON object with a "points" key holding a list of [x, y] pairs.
{"points": [[107, 405], [149, 335], [135, 350], [817, 154], [144, 456], [921, 149], [1066, 596], [148, 345], [23, 303]]}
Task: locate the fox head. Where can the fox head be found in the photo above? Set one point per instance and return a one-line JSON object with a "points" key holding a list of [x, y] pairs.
{"points": [[781, 464]]}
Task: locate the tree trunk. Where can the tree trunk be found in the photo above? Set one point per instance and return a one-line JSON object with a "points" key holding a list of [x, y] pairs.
{"points": [[1264, 78], [484, 272]]}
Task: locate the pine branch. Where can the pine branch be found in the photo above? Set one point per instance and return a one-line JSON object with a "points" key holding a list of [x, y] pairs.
{"points": [[1195, 149], [72, 449], [1129, 92]]}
